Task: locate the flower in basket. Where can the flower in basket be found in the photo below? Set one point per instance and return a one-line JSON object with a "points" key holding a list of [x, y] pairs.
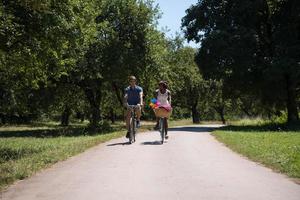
{"points": [[154, 103], [153, 100], [157, 103]]}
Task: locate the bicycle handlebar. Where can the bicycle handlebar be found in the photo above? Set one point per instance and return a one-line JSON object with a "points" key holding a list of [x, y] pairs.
{"points": [[133, 106]]}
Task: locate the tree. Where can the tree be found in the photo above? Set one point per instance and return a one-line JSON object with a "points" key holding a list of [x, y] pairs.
{"points": [[184, 77], [244, 44], [119, 50], [40, 42]]}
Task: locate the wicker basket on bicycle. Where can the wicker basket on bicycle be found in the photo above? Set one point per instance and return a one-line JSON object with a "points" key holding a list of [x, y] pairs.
{"points": [[162, 112]]}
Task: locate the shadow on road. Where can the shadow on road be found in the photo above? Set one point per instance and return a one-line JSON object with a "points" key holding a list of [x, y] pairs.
{"points": [[152, 143], [197, 129], [119, 143], [287, 127]]}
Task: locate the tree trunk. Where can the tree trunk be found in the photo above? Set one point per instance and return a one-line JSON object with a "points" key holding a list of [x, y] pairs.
{"points": [[222, 116], [65, 116], [245, 110], [195, 114], [3, 118], [291, 102], [95, 116], [82, 117], [220, 111], [94, 98], [112, 116], [118, 94]]}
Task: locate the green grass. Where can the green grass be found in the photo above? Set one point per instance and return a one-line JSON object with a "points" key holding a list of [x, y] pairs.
{"points": [[181, 122], [275, 145]]}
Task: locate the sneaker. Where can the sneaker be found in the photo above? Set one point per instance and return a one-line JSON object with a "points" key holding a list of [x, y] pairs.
{"points": [[127, 134], [138, 124], [166, 137]]}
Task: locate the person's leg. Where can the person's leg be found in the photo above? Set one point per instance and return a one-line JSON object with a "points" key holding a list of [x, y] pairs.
{"points": [[138, 113], [138, 116], [166, 126], [157, 124], [128, 119]]}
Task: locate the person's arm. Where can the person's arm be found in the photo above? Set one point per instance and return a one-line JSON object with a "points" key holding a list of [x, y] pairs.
{"points": [[141, 98], [156, 94], [125, 99], [169, 97]]}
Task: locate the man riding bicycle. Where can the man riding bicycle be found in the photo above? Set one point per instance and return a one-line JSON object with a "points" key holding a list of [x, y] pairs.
{"points": [[133, 96]]}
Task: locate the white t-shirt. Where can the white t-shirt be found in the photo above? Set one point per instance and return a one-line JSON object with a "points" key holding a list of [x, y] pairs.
{"points": [[163, 98]]}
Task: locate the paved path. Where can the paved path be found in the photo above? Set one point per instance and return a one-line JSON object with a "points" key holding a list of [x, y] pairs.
{"points": [[191, 165]]}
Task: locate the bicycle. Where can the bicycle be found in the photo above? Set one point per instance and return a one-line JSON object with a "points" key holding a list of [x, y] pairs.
{"points": [[132, 123], [162, 115]]}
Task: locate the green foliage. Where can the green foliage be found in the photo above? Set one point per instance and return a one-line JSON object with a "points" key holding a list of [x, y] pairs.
{"points": [[50, 48], [41, 42], [121, 48], [72, 58], [244, 44]]}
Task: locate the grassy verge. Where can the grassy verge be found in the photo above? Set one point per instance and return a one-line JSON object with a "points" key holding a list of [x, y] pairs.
{"points": [[275, 145]]}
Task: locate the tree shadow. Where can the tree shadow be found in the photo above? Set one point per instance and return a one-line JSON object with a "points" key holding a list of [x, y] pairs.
{"points": [[197, 129], [152, 143], [291, 127], [119, 143], [51, 132]]}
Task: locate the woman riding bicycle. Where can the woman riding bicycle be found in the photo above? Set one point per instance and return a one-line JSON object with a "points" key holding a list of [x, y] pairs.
{"points": [[163, 96]]}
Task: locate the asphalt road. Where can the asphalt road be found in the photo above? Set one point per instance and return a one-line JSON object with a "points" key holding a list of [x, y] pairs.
{"points": [[190, 165]]}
